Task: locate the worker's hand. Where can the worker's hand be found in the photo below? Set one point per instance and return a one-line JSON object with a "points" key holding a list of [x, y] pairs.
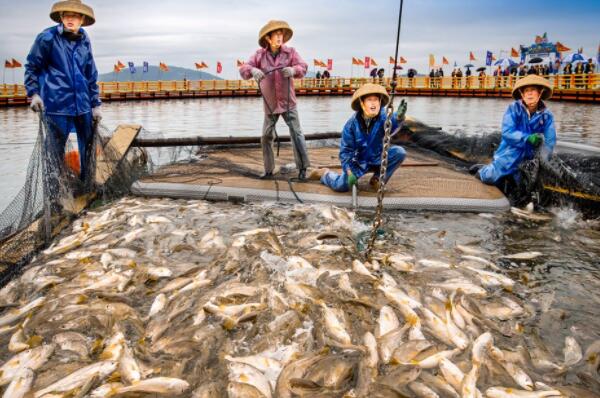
{"points": [[37, 105], [257, 74], [535, 139], [288, 71], [96, 114], [401, 113], [352, 180]]}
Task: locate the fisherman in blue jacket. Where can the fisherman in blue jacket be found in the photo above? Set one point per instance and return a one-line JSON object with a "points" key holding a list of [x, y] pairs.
{"points": [[527, 127], [361, 145], [61, 80]]}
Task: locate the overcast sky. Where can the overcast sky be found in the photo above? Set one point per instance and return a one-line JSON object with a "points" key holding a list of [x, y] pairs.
{"points": [[181, 32]]}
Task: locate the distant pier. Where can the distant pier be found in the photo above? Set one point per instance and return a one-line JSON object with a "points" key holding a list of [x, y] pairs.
{"points": [[577, 88]]}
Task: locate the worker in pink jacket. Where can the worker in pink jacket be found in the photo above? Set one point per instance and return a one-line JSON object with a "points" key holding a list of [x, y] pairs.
{"points": [[274, 66]]}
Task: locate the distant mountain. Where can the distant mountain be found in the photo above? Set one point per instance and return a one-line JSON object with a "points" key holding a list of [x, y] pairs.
{"points": [[154, 73]]}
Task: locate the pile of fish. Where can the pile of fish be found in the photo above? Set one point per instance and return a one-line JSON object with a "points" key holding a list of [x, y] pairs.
{"points": [[193, 299]]}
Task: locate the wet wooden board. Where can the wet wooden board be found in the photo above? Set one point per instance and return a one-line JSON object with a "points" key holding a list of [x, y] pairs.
{"points": [[114, 151], [421, 176]]}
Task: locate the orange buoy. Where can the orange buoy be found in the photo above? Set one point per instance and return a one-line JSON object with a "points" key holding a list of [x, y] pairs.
{"points": [[72, 161]]}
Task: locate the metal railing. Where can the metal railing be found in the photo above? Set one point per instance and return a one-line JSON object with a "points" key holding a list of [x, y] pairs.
{"points": [[559, 82]]}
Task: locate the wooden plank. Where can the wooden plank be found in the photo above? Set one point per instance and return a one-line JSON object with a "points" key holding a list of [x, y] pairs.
{"points": [[117, 146]]}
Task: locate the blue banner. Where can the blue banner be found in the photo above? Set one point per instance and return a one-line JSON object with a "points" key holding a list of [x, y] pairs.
{"points": [[131, 67], [145, 70], [488, 58]]}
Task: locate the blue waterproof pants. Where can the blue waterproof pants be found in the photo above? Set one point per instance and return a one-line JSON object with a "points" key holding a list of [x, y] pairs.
{"points": [[59, 128], [339, 182]]}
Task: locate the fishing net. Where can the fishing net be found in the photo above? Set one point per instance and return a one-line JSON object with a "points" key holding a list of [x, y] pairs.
{"points": [[557, 179], [56, 189]]}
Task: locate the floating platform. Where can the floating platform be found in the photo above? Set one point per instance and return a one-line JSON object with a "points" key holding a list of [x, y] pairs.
{"points": [[422, 183]]}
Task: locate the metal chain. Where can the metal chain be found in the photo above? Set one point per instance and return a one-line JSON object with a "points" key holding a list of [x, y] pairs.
{"points": [[378, 221]]}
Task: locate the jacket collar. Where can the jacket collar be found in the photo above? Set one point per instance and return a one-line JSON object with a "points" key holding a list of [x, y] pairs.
{"points": [[282, 49], [61, 29]]}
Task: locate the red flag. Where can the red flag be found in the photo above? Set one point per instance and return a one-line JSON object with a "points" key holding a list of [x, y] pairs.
{"points": [[163, 67], [16, 64], [472, 56], [373, 63], [198, 66], [316, 62], [120, 64], [444, 61], [117, 69], [402, 60], [219, 67], [515, 53], [561, 47], [239, 63], [367, 62], [204, 64], [392, 61], [355, 61], [8, 64], [330, 64]]}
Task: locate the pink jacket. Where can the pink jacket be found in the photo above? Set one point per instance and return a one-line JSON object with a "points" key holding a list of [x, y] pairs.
{"points": [[274, 86]]}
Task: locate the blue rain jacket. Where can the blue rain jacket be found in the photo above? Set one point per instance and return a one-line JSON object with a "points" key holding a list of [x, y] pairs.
{"points": [[514, 148], [63, 73], [359, 148]]}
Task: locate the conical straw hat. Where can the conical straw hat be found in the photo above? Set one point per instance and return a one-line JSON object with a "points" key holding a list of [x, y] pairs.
{"points": [[272, 26], [369, 89], [73, 6], [533, 80]]}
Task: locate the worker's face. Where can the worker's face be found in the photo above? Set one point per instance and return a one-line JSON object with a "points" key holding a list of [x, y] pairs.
{"points": [[72, 21], [275, 39], [531, 95], [371, 105]]}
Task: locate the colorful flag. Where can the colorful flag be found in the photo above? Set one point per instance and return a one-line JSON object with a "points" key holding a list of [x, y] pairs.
{"points": [[561, 47], [145, 68], [488, 58], [16, 64], [367, 62], [219, 67], [392, 61], [204, 64], [8, 64], [472, 56], [431, 60], [355, 61], [360, 61], [131, 67], [373, 63], [120, 64], [163, 67], [198, 66], [402, 60], [329, 64], [316, 62], [444, 61], [515, 53], [117, 69], [239, 63]]}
